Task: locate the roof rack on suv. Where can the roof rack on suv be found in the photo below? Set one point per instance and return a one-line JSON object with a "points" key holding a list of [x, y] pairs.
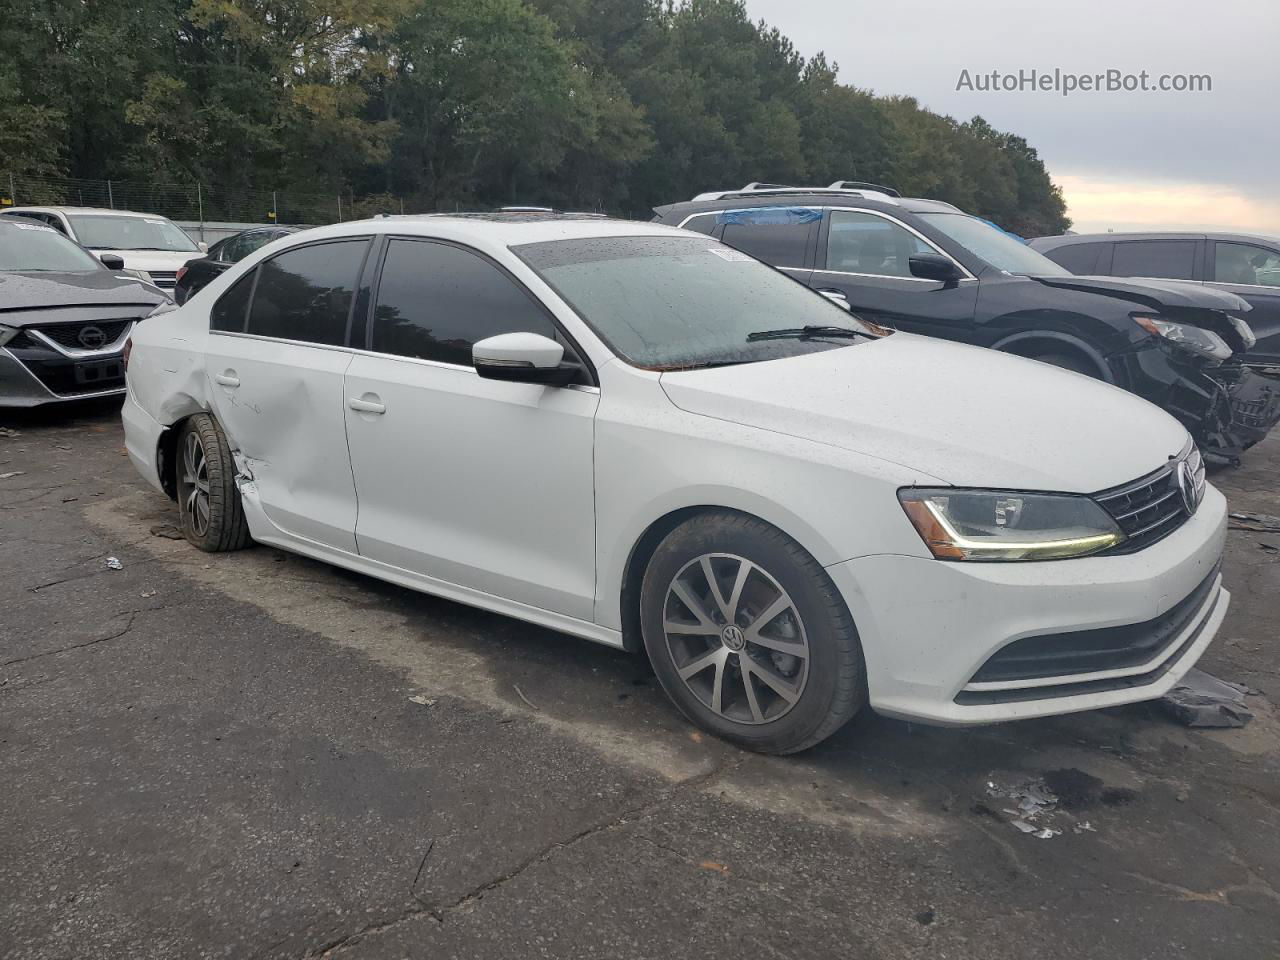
{"points": [[868, 191]]}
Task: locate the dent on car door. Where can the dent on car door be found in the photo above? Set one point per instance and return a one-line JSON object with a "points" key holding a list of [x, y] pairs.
{"points": [[865, 256], [1252, 271], [475, 482], [275, 362]]}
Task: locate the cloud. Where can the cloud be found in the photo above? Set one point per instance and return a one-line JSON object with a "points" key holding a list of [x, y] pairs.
{"points": [[1097, 203]]}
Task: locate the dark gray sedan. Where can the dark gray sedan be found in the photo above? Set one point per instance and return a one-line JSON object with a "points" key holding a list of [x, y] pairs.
{"points": [[64, 318]]}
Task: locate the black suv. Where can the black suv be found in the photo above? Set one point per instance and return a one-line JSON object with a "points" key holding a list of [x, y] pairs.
{"points": [[926, 267], [1248, 266]]}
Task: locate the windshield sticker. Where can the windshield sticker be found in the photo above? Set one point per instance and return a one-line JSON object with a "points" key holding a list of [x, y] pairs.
{"points": [[728, 253], [769, 216], [33, 226], [158, 223]]}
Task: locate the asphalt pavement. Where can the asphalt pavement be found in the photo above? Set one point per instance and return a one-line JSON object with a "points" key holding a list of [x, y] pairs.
{"points": [[256, 755]]}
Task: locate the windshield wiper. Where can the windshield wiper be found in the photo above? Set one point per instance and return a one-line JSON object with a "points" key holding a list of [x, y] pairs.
{"points": [[805, 333]]}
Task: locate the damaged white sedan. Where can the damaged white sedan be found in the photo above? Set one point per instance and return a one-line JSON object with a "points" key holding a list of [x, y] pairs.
{"points": [[638, 435]]}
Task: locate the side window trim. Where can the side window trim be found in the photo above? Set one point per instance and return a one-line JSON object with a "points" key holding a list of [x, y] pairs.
{"points": [[562, 335], [821, 253]]}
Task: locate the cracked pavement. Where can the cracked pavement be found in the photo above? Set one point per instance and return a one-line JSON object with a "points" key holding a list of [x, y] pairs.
{"points": [[256, 755]]}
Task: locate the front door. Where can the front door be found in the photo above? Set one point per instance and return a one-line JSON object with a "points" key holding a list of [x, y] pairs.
{"points": [[479, 483], [276, 359], [864, 255]]}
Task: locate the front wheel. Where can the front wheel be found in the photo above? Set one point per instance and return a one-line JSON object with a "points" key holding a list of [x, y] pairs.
{"points": [[749, 636], [208, 501]]}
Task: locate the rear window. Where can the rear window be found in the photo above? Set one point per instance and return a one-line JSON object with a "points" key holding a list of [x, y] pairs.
{"points": [[776, 235]]}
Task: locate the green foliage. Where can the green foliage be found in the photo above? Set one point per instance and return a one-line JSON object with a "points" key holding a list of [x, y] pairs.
{"points": [[589, 104]]}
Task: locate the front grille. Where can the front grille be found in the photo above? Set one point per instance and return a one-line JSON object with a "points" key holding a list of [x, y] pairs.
{"points": [[68, 334], [1152, 507]]}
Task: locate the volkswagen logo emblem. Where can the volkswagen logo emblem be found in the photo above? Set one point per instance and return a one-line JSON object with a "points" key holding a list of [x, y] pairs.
{"points": [[92, 338], [733, 637], [1186, 486]]}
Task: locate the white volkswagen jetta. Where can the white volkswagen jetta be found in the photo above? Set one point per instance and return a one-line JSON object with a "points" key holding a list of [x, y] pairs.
{"points": [[640, 436]]}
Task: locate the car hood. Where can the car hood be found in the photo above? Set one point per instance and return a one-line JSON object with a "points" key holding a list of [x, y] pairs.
{"points": [[153, 259], [1156, 294], [26, 291], [967, 416]]}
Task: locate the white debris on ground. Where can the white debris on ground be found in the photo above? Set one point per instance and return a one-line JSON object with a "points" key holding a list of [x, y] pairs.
{"points": [[1034, 807], [113, 563]]}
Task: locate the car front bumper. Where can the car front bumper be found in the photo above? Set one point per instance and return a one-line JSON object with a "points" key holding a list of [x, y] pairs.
{"points": [[19, 387], [928, 627]]}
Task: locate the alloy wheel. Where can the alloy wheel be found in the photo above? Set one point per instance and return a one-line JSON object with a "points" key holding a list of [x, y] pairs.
{"points": [[736, 638], [195, 484]]}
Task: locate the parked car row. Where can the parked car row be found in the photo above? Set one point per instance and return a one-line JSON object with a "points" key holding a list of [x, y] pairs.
{"points": [[926, 267], [644, 436]]}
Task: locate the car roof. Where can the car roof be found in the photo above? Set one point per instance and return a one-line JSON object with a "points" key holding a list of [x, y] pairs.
{"points": [[495, 229], [86, 211], [1049, 243], [818, 197]]}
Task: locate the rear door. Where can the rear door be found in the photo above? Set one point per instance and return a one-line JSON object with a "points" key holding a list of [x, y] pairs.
{"points": [[864, 255], [1252, 271], [276, 358], [480, 483], [1157, 259]]}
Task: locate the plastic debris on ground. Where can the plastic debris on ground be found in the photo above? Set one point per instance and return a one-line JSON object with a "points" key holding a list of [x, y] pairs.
{"points": [[1034, 806], [1202, 700], [113, 563], [12, 473], [423, 701], [1255, 522]]}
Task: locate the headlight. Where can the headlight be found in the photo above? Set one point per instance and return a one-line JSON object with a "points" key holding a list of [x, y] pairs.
{"points": [[7, 334], [999, 525], [1204, 342], [1245, 331]]}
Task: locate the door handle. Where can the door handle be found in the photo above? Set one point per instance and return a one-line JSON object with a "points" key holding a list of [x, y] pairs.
{"points": [[366, 405], [228, 379]]}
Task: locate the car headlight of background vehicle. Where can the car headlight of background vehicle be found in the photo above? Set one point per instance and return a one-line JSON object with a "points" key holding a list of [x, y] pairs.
{"points": [[1206, 343], [1003, 525], [1246, 332]]}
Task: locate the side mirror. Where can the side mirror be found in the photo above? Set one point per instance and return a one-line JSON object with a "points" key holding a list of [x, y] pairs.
{"points": [[204, 247], [112, 261], [838, 298], [934, 266], [522, 358]]}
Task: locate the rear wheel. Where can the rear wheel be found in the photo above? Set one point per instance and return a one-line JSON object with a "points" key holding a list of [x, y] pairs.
{"points": [[208, 501], [748, 635]]}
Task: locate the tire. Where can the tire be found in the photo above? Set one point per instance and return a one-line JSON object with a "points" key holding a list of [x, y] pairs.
{"points": [[211, 516], [787, 702], [1069, 361]]}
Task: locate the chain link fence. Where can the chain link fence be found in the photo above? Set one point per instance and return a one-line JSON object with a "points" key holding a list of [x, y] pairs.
{"points": [[195, 201], [204, 203]]}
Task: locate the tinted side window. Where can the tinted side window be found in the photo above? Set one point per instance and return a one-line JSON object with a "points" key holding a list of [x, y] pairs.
{"points": [[1245, 263], [435, 301], [229, 312], [1080, 258], [781, 244], [305, 294], [1175, 259], [865, 243], [703, 223]]}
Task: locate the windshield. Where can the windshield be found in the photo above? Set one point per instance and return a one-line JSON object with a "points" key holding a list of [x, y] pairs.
{"points": [[103, 232], [676, 302], [34, 248], [1002, 250]]}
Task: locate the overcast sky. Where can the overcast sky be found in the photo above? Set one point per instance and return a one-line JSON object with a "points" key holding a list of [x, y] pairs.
{"points": [[1124, 160]]}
